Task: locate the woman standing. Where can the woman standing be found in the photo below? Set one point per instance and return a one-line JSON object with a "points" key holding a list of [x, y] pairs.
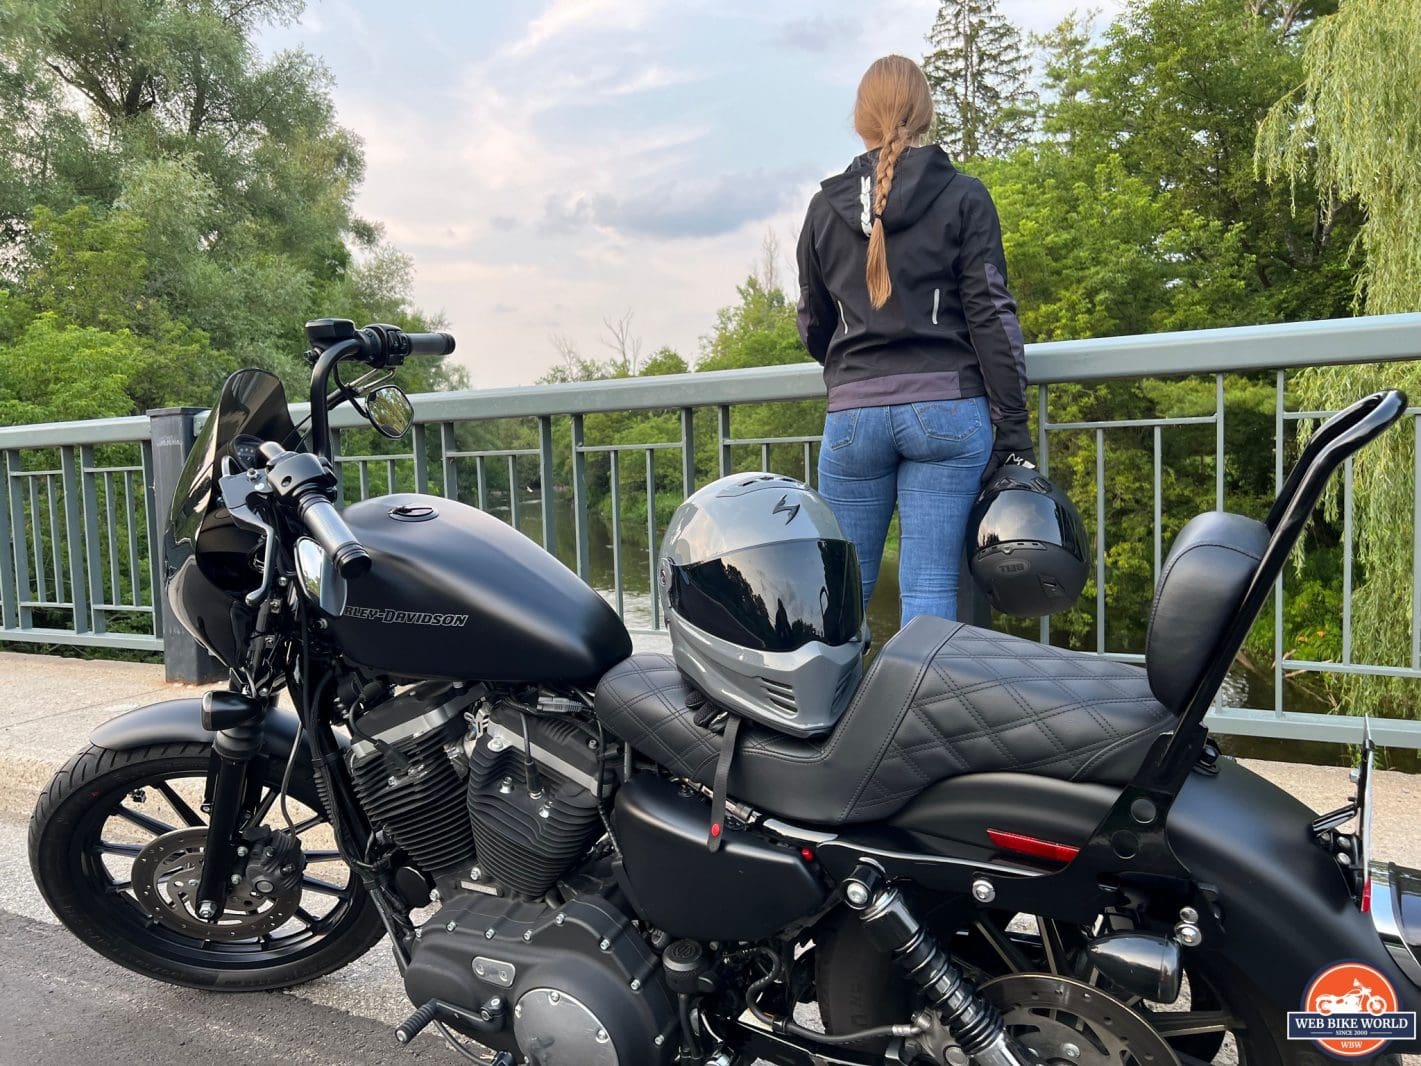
{"points": [[903, 298]]}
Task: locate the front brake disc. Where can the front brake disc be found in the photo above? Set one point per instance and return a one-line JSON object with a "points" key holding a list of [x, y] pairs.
{"points": [[165, 879]]}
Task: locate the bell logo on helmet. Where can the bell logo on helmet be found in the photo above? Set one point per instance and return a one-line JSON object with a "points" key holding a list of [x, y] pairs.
{"points": [[785, 507]]}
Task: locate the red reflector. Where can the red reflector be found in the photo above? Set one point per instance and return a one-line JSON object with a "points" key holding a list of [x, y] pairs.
{"points": [[1367, 896], [1022, 844], [715, 829], [806, 854]]}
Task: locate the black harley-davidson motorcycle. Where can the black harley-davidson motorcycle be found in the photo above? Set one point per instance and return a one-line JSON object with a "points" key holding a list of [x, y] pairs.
{"points": [[1004, 853]]}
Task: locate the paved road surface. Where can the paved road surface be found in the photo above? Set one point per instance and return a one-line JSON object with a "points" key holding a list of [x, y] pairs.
{"points": [[64, 1004]]}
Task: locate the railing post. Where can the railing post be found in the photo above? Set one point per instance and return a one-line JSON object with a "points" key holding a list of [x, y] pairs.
{"points": [[546, 487], [727, 461], [74, 540], [688, 451], [9, 567], [171, 431], [20, 551], [579, 500]]}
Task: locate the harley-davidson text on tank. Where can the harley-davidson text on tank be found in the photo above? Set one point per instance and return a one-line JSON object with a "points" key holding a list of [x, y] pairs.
{"points": [[412, 618]]}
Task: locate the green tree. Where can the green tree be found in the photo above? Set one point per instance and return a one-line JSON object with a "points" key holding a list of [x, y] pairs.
{"points": [[979, 69], [157, 127], [1176, 89], [1351, 131]]}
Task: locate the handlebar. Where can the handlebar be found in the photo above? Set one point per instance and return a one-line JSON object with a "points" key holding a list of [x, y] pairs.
{"points": [[378, 346], [329, 530], [437, 344], [308, 483]]}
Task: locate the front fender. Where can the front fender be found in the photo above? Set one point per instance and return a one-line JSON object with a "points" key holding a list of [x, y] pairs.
{"points": [[1287, 908], [180, 721]]}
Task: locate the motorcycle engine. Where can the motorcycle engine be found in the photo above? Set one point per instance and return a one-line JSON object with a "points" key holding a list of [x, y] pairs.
{"points": [[505, 808], [408, 767]]}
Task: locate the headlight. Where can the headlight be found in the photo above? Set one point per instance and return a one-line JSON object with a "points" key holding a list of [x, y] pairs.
{"points": [[317, 577]]}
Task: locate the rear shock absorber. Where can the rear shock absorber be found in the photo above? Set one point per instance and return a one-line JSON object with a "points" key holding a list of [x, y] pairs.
{"points": [[892, 926]]}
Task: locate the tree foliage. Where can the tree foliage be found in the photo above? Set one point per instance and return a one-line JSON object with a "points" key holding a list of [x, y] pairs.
{"points": [[1351, 131], [163, 182], [979, 68]]}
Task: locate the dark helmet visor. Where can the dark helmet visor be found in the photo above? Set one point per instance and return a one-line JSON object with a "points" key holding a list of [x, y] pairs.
{"points": [[774, 597]]}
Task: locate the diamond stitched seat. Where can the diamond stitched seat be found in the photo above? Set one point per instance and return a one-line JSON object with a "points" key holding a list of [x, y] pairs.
{"points": [[941, 700]]}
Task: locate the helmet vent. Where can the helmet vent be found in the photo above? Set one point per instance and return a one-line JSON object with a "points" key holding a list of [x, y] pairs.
{"points": [[780, 695], [844, 683]]}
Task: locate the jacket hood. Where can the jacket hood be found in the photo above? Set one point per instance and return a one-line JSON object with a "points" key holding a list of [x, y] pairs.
{"points": [[918, 180]]}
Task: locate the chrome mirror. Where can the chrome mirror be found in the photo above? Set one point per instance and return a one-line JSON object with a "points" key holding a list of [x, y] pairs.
{"points": [[318, 579], [390, 411]]}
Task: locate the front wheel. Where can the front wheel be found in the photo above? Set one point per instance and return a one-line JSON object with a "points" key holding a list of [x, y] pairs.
{"points": [[116, 846]]}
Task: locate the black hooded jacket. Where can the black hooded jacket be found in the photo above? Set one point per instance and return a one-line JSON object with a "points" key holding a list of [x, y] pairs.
{"points": [[949, 330]]}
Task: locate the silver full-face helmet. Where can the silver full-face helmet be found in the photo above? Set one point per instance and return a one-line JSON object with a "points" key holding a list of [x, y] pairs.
{"points": [[763, 601]]}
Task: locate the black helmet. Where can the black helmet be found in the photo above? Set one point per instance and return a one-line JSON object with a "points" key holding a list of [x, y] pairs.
{"points": [[1029, 547]]}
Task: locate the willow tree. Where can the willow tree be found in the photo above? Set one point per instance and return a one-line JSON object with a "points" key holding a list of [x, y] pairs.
{"points": [[1352, 129]]}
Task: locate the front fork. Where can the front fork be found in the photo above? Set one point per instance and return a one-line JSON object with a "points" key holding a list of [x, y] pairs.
{"points": [[233, 789]]}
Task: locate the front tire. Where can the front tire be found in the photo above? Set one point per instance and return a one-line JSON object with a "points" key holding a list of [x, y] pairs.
{"points": [[96, 817]]}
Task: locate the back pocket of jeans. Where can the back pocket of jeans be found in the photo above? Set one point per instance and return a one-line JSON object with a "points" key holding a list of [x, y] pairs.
{"points": [[839, 427], [948, 419]]}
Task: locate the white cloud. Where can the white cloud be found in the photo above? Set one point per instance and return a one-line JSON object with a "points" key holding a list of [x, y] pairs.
{"points": [[562, 17]]}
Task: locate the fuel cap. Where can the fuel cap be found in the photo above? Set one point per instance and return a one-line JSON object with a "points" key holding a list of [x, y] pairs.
{"points": [[413, 512]]}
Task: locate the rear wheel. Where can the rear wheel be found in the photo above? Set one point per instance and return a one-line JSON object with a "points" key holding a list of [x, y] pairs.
{"points": [[1220, 1017], [116, 844]]}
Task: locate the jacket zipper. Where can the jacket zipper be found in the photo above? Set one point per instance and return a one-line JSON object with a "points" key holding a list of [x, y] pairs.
{"points": [[843, 317], [937, 295]]}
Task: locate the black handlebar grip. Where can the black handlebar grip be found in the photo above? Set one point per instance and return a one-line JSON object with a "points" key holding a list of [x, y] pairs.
{"points": [[430, 343], [329, 530]]}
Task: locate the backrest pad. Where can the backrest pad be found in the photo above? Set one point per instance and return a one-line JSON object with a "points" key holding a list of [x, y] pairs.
{"points": [[1201, 588]]}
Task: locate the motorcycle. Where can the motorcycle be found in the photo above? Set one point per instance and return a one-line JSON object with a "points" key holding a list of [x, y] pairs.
{"points": [[1004, 853], [1360, 1000]]}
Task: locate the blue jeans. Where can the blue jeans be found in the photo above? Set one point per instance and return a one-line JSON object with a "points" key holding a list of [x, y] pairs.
{"points": [[926, 457]]}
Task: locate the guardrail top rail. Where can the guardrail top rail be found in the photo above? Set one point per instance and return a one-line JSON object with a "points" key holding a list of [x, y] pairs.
{"points": [[80, 517]]}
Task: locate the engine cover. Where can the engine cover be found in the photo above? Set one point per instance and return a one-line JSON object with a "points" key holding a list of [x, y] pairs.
{"points": [[584, 987]]}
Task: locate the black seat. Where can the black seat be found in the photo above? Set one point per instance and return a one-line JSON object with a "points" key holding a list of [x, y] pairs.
{"points": [[942, 699], [945, 699]]}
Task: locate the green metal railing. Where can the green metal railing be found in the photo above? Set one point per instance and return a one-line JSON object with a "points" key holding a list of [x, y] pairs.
{"points": [[82, 524]]}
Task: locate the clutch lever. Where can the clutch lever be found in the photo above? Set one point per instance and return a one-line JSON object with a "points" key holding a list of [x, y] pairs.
{"points": [[238, 490]]}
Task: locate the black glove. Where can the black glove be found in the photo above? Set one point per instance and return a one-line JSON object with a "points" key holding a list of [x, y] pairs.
{"points": [[1012, 445]]}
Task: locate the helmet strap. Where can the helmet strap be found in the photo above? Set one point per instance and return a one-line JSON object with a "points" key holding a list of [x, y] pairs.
{"points": [[722, 781]]}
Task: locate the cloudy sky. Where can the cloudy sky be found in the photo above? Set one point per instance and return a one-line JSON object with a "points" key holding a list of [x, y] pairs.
{"points": [[551, 164]]}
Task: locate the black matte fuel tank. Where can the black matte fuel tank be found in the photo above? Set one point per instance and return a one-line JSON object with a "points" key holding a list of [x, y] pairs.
{"points": [[455, 593]]}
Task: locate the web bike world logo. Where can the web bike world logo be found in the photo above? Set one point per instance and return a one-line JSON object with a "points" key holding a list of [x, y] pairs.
{"points": [[1351, 1010], [409, 618]]}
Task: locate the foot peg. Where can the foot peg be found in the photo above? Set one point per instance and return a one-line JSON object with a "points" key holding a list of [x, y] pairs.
{"points": [[489, 1019], [417, 1022]]}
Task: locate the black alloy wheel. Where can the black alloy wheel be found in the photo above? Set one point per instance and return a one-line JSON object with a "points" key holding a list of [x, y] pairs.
{"points": [[115, 845]]}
